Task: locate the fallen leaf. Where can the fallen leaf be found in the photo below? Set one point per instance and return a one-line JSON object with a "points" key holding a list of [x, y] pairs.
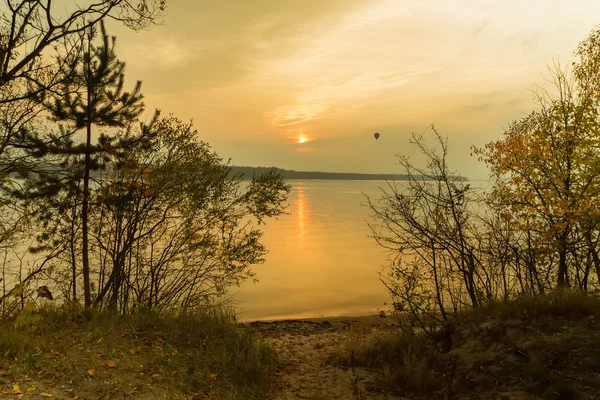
{"points": [[155, 375], [91, 372], [16, 389], [111, 364], [45, 395], [133, 350], [31, 389]]}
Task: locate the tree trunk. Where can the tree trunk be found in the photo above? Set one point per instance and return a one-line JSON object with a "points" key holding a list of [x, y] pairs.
{"points": [[85, 210], [595, 256], [438, 291], [562, 263], [118, 267], [73, 255], [86, 187]]}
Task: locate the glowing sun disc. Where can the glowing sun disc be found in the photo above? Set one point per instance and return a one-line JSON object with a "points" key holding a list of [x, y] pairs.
{"points": [[301, 140]]}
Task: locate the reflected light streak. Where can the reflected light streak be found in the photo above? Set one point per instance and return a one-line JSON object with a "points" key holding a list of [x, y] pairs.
{"points": [[302, 205]]}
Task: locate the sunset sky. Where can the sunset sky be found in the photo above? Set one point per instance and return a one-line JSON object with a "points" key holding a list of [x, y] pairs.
{"points": [[256, 76]]}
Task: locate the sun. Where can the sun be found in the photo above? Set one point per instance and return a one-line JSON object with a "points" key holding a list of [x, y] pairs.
{"points": [[301, 140]]}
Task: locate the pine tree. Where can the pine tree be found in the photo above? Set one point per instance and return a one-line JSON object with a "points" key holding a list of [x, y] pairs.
{"points": [[92, 95]]}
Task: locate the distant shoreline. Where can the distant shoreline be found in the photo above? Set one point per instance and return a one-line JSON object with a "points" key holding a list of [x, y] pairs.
{"points": [[246, 173]]}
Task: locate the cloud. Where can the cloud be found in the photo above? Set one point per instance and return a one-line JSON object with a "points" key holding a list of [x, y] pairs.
{"points": [[255, 75], [209, 44], [164, 53]]}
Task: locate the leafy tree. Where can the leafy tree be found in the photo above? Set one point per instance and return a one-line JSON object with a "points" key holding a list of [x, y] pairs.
{"points": [[91, 94], [173, 227], [546, 170], [36, 37]]}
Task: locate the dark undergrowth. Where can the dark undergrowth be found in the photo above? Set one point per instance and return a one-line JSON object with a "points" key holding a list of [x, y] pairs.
{"points": [[546, 347]]}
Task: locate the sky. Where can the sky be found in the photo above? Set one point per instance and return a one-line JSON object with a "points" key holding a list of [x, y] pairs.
{"points": [[258, 76]]}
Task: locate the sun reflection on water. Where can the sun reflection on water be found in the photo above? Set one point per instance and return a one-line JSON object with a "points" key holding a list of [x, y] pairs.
{"points": [[302, 210]]}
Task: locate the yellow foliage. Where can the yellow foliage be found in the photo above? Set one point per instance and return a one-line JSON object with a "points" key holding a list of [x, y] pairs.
{"points": [[17, 291]]}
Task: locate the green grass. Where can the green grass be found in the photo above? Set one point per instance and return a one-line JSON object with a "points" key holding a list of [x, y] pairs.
{"points": [[100, 355]]}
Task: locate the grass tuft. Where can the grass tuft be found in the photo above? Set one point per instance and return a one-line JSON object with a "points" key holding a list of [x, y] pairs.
{"points": [[406, 358]]}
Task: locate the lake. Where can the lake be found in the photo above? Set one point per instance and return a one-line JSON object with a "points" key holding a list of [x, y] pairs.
{"points": [[321, 260]]}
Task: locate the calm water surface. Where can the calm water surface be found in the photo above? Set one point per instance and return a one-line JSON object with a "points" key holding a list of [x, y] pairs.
{"points": [[321, 261]]}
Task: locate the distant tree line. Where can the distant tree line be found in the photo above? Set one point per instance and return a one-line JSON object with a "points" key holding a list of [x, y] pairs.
{"points": [[97, 206], [248, 172]]}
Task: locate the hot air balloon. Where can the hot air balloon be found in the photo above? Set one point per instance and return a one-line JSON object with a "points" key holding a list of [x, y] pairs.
{"points": [[376, 136]]}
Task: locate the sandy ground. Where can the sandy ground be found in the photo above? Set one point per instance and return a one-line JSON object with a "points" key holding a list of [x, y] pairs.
{"points": [[550, 358], [304, 348]]}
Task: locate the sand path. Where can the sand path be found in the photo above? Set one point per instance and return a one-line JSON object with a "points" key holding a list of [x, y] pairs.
{"points": [[305, 349]]}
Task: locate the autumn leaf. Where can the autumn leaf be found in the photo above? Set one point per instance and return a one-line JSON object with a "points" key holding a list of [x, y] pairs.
{"points": [[17, 291], [45, 395], [111, 364], [91, 372], [16, 389], [31, 389]]}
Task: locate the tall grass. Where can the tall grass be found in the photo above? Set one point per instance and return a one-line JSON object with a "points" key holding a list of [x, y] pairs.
{"points": [[204, 353], [406, 358]]}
